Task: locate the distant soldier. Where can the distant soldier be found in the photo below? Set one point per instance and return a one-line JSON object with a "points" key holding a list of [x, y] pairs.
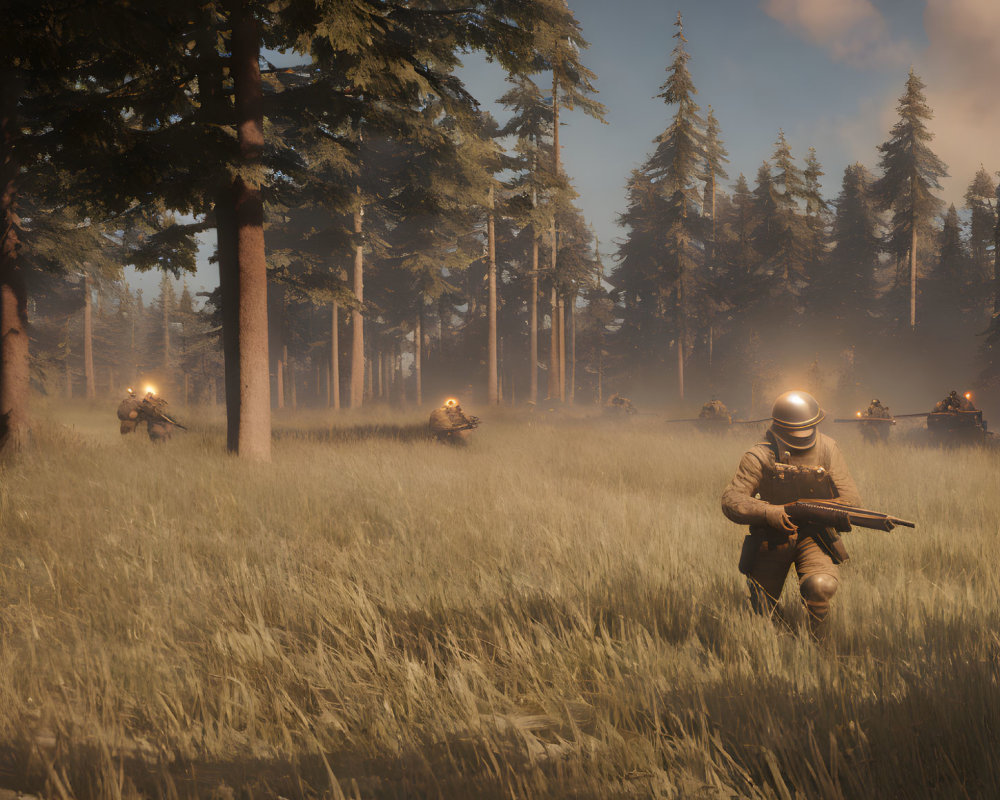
{"points": [[955, 402], [150, 409], [715, 410], [450, 424], [794, 462], [876, 432], [620, 405], [128, 412]]}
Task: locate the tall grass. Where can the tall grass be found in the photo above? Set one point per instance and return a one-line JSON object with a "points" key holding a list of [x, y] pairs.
{"points": [[553, 611]]}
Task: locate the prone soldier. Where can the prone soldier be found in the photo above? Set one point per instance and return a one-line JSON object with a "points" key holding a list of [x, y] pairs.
{"points": [[794, 462], [149, 409]]}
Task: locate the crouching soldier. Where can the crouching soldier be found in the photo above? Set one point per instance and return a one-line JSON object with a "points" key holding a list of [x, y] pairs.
{"points": [[450, 425], [794, 462], [129, 411]]}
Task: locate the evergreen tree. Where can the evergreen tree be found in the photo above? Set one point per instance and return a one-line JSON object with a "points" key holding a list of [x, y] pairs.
{"points": [[910, 174]]}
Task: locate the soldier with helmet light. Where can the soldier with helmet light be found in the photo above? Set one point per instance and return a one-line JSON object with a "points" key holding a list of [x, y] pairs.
{"points": [[794, 462], [449, 424]]}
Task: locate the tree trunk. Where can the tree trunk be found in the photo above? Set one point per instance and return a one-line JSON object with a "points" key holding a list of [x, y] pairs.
{"points": [[913, 274], [562, 349], [335, 358], [279, 378], [88, 341], [166, 330], [491, 351], [14, 363], [187, 387], [292, 396], [553, 382], [357, 321], [255, 402], [571, 310], [67, 364], [533, 334], [418, 346]]}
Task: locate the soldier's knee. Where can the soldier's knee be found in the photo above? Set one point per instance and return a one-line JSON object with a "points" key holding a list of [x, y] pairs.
{"points": [[818, 588]]}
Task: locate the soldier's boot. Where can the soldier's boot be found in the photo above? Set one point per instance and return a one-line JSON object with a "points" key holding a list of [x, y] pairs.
{"points": [[765, 604], [816, 591]]}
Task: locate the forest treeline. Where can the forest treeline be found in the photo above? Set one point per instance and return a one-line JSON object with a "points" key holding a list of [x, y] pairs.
{"points": [[381, 237]]}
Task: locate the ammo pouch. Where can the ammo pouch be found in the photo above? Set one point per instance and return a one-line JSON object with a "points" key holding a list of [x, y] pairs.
{"points": [[762, 540]]}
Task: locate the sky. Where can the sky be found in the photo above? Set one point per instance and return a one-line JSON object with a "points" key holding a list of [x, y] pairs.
{"points": [[827, 72]]}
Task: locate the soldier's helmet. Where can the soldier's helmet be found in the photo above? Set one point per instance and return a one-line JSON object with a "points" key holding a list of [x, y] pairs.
{"points": [[794, 417], [451, 402]]}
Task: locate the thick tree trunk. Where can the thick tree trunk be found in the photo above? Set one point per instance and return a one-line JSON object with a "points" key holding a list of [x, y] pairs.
{"points": [[533, 334], [255, 401], [187, 388], [88, 342], [357, 320], [418, 346], [292, 396], [491, 351], [14, 363]]}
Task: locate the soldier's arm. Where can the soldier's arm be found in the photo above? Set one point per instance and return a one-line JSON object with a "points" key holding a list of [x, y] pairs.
{"points": [[847, 489], [738, 501]]}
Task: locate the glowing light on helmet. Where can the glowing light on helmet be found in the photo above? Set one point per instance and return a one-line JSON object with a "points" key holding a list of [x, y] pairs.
{"points": [[451, 402], [858, 414], [149, 389], [968, 395]]}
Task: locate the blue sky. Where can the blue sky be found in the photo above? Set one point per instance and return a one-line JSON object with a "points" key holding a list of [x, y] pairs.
{"points": [[828, 72]]}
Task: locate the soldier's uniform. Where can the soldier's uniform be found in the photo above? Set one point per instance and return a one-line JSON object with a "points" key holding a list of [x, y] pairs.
{"points": [[158, 426], [876, 431], [771, 474], [450, 424], [128, 414]]}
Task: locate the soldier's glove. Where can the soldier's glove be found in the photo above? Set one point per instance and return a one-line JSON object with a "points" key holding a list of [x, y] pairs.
{"points": [[777, 518]]}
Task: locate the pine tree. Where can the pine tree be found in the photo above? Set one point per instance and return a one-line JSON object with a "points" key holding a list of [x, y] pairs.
{"points": [[910, 174]]}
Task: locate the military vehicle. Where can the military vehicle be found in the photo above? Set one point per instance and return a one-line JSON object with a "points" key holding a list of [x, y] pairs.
{"points": [[953, 421]]}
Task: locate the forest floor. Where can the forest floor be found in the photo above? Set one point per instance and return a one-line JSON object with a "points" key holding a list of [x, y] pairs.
{"points": [[552, 611]]}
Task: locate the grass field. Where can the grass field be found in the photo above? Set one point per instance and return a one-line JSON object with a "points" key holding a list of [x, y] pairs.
{"points": [[553, 611]]}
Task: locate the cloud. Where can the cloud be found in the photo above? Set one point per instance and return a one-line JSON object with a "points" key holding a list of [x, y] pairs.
{"points": [[960, 69], [852, 31]]}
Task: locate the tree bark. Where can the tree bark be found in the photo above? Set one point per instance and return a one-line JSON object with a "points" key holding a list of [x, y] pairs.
{"points": [[357, 320], [335, 357], [255, 401], [68, 364], [14, 363], [225, 231], [88, 341], [491, 350]]}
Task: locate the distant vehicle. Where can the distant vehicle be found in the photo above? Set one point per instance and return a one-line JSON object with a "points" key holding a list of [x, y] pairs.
{"points": [[954, 421]]}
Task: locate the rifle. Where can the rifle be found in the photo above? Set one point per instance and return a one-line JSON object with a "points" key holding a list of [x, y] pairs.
{"points": [[832, 518], [153, 410], [472, 423]]}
